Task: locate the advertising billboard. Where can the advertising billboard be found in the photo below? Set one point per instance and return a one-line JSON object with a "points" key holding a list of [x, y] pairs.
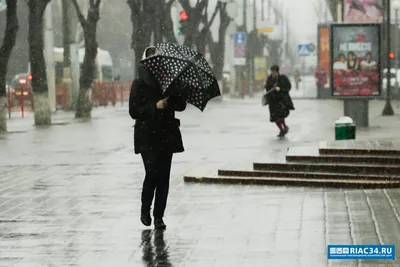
{"points": [[359, 11], [324, 51], [355, 54], [260, 69]]}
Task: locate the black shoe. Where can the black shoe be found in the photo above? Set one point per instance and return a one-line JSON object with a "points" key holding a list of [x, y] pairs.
{"points": [[159, 224], [281, 134], [145, 218], [286, 130]]}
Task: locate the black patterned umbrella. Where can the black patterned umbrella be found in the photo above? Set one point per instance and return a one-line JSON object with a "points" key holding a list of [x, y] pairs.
{"points": [[182, 71]]}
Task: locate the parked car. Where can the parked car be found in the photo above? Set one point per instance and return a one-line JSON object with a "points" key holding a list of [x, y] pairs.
{"points": [[21, 85]]}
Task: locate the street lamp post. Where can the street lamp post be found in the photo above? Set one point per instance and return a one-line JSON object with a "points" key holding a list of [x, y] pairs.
{"points": [[388, 109], [396, 6]]}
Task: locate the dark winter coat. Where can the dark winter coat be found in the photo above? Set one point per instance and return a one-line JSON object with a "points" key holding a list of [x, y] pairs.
{"points": [[155, 130], [280, 103]]}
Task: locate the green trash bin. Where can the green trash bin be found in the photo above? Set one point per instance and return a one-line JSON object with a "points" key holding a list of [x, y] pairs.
{"points": [[345, 131]]}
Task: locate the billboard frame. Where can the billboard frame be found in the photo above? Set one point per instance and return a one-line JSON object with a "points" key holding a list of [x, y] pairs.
{"points": [[319, 26], [331, 53], [342, 2]]}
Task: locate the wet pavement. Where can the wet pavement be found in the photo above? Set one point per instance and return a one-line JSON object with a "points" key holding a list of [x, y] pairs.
{"points": [[70, 194]]}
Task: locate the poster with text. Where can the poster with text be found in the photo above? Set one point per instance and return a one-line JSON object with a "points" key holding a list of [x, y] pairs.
{"points": [[324, 54], [355, 54], [359, 11], [260, 69]]}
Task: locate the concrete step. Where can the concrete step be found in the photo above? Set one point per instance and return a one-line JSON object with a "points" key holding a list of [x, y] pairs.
{"points": [[306, 175], [332, 168], [311, 154], [379, 147], [282, 181]]}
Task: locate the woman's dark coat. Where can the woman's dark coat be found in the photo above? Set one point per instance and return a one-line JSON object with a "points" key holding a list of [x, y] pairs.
{"points": [[155, 130], [280, 103]]}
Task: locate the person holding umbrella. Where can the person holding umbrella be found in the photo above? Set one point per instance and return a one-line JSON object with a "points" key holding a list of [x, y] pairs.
{"points": [[278, 98], [156, 137], [170, 75]]}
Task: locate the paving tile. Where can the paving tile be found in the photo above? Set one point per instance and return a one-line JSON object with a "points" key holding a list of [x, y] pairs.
{"points": [[78, 203]]}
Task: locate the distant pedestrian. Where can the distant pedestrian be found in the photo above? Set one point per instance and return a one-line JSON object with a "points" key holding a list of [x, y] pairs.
{"points": [[279, 101], [321, 79], [297, 79], [156, 137]]}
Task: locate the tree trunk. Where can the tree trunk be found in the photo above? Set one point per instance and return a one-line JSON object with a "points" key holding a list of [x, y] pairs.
{"points": [[66, 35], [67, 70], [5, 53], [168, 25], [217, 50], [38, 66], [42, 109], [158, 23], [196, 16], [141, 28], [84, 102], [3, 114]]}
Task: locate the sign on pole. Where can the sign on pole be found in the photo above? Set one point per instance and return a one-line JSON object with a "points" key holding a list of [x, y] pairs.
{"points": [[240, 40], [3, 5], [265, 30], [304, 50]]}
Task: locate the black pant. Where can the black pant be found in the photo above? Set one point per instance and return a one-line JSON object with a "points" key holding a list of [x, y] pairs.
{"points": [[158, 170]]}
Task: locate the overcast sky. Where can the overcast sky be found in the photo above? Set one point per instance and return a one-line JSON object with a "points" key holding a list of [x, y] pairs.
{"points": [[301, 14]]}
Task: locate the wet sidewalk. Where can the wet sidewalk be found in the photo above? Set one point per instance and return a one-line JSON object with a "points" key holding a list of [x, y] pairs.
{"points": [[70, 195]]}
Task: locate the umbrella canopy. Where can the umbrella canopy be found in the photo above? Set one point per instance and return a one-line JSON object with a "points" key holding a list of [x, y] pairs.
{"points": [[182, 71]]}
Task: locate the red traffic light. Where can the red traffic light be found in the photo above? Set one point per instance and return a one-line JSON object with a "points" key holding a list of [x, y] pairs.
{"points": [[391, 55], [29, 76], [183, 15]]}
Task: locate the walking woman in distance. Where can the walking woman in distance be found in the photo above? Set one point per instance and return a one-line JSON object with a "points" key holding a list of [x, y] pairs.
{"points": [[156, 137], [279, 101]]}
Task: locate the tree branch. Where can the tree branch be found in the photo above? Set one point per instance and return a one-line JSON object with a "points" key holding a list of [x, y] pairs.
{"points": [[97, 4], [134, 6], [202, 5], [186, 5], [169, 4], [81, 18], [217, 8]]}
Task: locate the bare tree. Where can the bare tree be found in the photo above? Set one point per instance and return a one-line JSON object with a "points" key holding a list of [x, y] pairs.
{"points": [[142, 18], [217, 49], [332, 5], [5, 52], [38, 64], [168, 25], [89, 26], [196, 17], [163, 25]]}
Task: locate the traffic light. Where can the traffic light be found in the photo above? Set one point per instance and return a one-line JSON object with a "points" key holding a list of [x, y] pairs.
{"points": [[391, 55], [183, 22], [183, 15]]}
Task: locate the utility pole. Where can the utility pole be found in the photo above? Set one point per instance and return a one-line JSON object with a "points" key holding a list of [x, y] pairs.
{"points": [[388, 109], [287, 36], [67, 79], [262, 10], [252, 49], [269, 9], [397, 39], [66, 36], [247, 65]]}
